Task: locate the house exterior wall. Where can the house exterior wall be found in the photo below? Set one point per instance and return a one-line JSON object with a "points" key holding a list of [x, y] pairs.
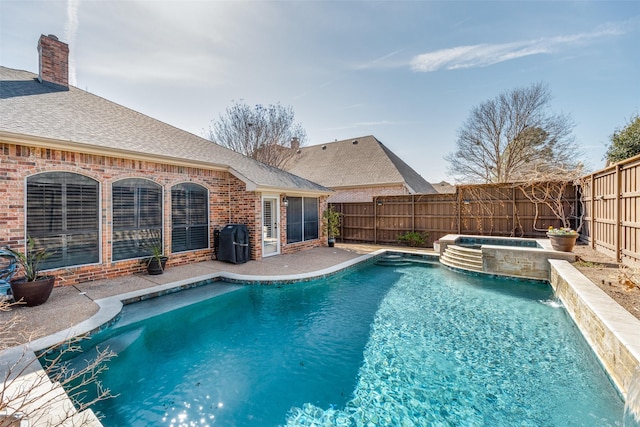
{"points": [[366, 194], [229, 202]]}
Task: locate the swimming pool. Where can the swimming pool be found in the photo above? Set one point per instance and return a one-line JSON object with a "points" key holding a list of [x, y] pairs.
{"points": [[376, 344]]}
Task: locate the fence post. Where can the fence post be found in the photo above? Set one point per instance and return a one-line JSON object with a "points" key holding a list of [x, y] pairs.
{"points": [[413, 213], [375, 220], [459, 208], [513, 213], [617, 213], [592, 212], [342, 222]]}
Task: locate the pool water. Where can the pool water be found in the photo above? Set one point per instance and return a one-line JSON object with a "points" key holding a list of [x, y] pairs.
{"points": [[371, 346]]}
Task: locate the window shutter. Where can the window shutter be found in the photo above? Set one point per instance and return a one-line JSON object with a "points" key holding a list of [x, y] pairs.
{"points": [[294, 220], [63, 217], [137, 218], [310, 218], [189, 217]]}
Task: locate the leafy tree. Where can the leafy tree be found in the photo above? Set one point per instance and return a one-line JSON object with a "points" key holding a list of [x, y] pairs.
{"points": [[625, 142], [514, 137], [265, 133]]}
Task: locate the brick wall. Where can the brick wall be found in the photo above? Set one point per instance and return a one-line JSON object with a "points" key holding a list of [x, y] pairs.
{"points": [[227, 200]]}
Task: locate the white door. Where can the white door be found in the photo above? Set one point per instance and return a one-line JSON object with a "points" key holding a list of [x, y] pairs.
{"points": [[270, 220]]}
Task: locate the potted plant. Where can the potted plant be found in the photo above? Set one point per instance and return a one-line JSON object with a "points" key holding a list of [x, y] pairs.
{"points": [[32, 288], [157, 262], [562, 239], [331, 225]]}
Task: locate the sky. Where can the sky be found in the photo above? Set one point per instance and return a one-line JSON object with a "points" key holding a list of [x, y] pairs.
{"points": [[407, 72]]}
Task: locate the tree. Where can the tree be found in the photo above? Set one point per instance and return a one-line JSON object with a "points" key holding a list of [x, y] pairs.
{"points": [[267, 134], [512, 137], [625, 142]]}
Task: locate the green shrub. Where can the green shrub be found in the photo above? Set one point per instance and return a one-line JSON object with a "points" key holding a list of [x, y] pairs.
{"points": [[413, 238]]}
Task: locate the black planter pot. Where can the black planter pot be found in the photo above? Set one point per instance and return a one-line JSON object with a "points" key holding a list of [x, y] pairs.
{"points": [[155, 266], [331, 242], [33, 293]]}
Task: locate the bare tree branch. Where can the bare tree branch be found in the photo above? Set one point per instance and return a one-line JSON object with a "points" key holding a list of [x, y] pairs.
{"points": [[267, 134], [508, 138]]}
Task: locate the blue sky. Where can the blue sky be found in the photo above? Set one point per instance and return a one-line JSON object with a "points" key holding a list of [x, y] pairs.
{"points": [[407, 72]]}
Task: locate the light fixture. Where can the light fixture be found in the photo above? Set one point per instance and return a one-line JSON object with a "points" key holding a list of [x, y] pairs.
{"points": [[285, 201]]}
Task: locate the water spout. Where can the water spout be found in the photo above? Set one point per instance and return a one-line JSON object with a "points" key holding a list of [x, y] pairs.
{"points": [[632, 405]]}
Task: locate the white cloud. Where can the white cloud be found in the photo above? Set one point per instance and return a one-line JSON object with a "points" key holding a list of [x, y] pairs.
{"points": [[483, 55]]}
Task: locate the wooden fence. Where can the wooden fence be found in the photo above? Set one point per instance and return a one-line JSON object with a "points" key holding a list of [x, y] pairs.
{"points": [[612, 206], [482, 210], [609, 207]]}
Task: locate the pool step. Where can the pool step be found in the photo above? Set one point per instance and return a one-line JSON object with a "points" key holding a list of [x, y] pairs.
{"points": [[392, 260], [404, 259], [463, 258]]}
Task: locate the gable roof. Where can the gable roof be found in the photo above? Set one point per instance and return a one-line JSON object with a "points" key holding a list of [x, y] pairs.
{"points": [[76, 120], [354, 162], [443, 187]]}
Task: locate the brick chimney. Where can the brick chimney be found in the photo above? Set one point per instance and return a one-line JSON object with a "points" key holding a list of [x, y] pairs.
{"points": [[54, 61]]}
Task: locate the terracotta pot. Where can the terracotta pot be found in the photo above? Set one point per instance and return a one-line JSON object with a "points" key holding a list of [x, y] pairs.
{"points": [[155, 267], [33, 293], [563, 242]]}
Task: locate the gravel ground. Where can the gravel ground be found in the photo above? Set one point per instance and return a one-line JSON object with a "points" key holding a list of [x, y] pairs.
{"points": [[607, 274]]}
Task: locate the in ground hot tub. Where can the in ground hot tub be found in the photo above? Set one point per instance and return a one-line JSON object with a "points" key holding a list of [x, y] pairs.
{"points": [[503, 256]]}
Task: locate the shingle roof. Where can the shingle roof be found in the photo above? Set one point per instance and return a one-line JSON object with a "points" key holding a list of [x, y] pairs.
{"points": [[32, 109], [444, 187], [362, 161]]}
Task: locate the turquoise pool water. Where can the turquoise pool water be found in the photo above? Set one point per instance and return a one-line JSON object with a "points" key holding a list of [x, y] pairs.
{"points": [[375, 346]]}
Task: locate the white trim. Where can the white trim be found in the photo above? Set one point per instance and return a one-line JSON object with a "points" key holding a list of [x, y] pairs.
{"points": [[120, 153], [56, 144], [277, 222]]}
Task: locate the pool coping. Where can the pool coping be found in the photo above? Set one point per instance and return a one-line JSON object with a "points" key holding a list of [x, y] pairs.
{"points": [[611, 331]]}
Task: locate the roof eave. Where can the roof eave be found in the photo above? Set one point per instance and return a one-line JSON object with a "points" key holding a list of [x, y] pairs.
{"points": [[67, 145], [382, 184], [292, 191]]}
